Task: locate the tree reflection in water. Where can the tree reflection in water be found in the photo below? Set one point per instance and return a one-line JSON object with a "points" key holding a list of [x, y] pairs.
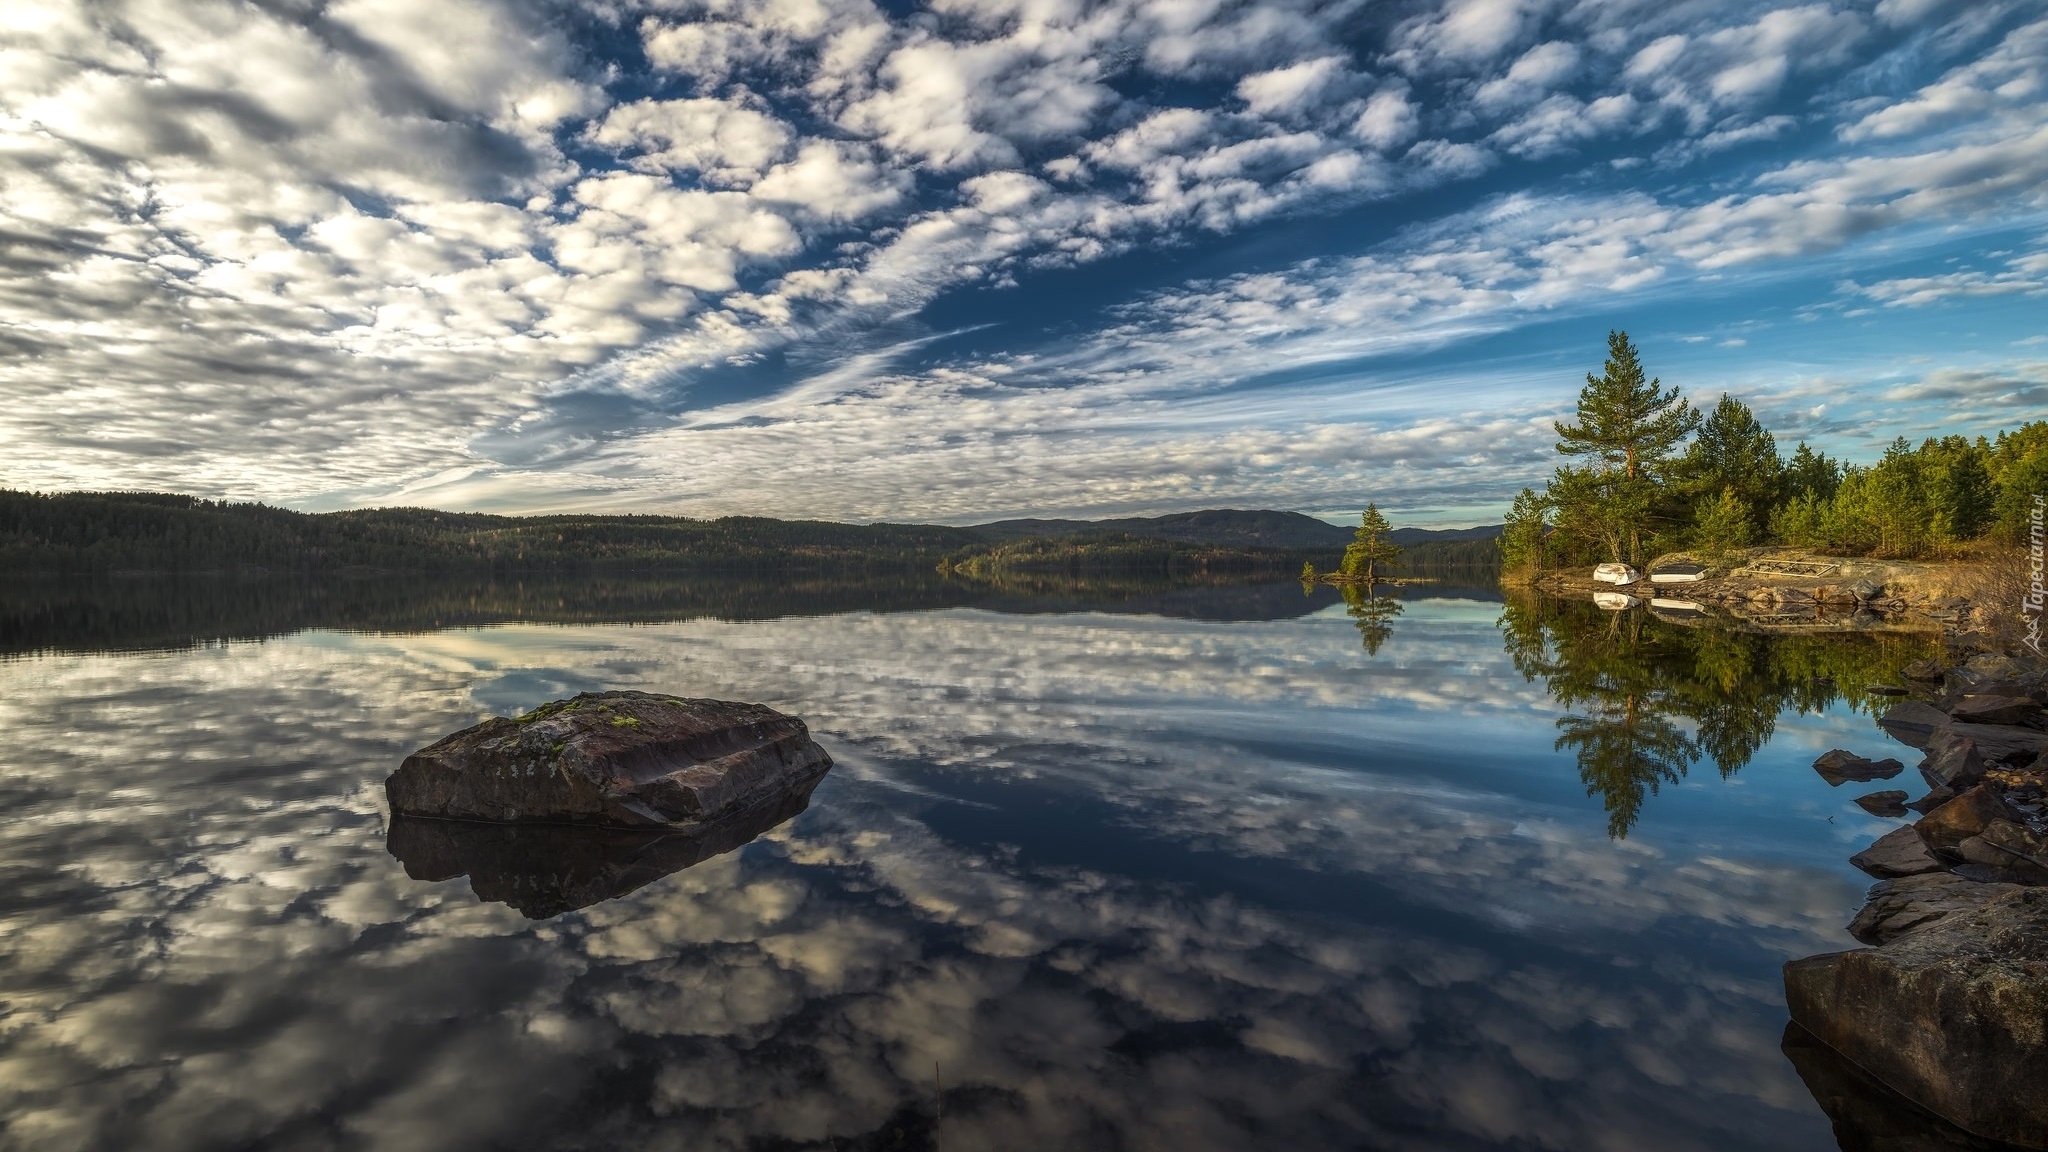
{"points": [[1370, 613], [1645, 699]]}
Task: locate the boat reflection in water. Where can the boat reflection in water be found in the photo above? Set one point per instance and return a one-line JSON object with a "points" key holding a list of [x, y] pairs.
{"points": [[544, 870]]}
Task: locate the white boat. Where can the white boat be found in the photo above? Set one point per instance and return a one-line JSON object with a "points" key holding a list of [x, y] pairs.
{"points": [[1664, 604], [1678, 573], [1616, 574], [1614, 601]]}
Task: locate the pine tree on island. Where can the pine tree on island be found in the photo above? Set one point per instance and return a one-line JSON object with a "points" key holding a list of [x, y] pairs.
{"points": [[1369, 547]]}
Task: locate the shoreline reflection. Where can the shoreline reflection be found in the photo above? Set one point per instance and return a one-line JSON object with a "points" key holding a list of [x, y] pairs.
{"points": [[1646, 697]]}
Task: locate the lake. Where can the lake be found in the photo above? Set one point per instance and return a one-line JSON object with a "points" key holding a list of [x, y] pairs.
{"points": [[1118, 867]]}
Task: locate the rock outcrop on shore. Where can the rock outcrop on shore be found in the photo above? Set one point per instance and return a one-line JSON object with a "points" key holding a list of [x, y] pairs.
{"points": [[1953, 1015], [616, 759], [1949, 1007], [1778, 589], [1866, 1115]]}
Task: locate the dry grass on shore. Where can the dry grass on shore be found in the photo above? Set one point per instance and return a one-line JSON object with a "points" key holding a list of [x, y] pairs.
{"points": [[1995, 582]]}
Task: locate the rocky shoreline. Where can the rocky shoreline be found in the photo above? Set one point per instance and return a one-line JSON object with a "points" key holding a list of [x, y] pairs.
{"points": [[1786, 590], [1949, 1004]]}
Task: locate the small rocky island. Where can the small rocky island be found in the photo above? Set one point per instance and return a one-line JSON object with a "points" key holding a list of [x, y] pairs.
{"points": [[612, 760], [1950, 1005]]}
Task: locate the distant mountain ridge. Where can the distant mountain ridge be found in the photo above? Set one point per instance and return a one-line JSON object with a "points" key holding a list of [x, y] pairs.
{"points": [[1229, 526], [81, 532], [1443, 535]]}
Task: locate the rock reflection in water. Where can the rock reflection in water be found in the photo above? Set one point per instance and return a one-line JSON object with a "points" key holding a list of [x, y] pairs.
{"points": [[544, 870], [1647, 697]]}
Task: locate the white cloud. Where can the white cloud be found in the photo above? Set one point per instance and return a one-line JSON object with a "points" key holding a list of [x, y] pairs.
{"points": [[1291, 90], [1539, 70], [1388, 120], [724, 144], [2023, 275], [1708, 75], [1465, 32], [2011, 78]]}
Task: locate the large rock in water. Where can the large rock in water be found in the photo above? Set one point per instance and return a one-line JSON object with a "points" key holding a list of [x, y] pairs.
{"points": [[1839, 765], [1954, 1015], [618, 759]]}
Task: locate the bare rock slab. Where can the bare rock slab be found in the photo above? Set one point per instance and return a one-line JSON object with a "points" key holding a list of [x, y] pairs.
{"points": [[1953, 1016], [1997, 710], [616, 759], [1970, 813], [1913, 722], [1901, 905], [2001, 742], [1952, 761], [1899, 852]]}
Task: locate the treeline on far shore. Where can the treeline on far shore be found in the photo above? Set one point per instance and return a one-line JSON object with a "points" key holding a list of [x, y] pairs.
{"points": [[98, 533], [101, 532], [1116, 551]]}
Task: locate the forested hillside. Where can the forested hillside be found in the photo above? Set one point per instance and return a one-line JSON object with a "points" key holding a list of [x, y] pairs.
{"points": [[1228, 527], [154, 532]]}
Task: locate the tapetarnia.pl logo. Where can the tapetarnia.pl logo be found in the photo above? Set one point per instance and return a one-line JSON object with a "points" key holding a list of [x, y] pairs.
{"points": [[2030, 606]]}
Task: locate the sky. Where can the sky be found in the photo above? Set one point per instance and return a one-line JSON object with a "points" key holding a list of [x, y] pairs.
{"points": [[953, 261]]}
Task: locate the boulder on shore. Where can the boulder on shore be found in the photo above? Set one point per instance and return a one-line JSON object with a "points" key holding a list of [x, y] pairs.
{"points": [[1952, 761], [1952, 1015], [2002, 742], [1913, 722], [618, 759], [1945, 828], [2007, 851], [1997, 709], [1899, 852]]}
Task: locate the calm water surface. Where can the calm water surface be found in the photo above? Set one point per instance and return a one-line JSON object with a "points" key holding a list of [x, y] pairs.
{"points": [[1304, 877]]}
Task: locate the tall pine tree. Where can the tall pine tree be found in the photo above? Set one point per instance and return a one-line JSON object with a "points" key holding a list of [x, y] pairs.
{"points": [[1626, 422], [1734, 452], [1813, 474], [1628, 427]]}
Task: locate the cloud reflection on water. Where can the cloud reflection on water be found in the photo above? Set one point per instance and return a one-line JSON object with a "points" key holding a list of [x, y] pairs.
{"points": [[1125, 881]]}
